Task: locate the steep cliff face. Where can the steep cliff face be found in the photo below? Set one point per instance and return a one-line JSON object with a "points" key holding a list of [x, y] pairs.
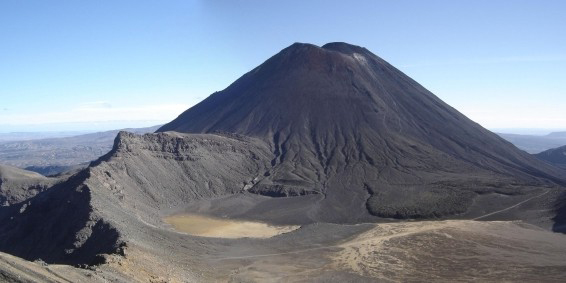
{"points": [[152, 173]]}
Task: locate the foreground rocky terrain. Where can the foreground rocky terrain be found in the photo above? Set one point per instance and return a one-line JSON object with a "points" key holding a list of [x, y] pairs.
{"points": [[447, 251], [332, 139]]}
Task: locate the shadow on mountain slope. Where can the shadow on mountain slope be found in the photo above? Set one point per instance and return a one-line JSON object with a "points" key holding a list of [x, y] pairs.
{"points": [[57, 226], [560, 218]]}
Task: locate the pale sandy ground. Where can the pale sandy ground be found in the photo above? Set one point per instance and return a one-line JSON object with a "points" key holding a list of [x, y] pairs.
{"points": [[455, 250], [206, 226], [437, 251]]}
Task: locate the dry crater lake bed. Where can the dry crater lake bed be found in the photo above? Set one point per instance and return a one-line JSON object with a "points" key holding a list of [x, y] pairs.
{"points": [[208, 226]]}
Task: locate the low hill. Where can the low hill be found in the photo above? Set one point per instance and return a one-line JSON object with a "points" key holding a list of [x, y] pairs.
{"points": [[556, 156], [17, 185]]}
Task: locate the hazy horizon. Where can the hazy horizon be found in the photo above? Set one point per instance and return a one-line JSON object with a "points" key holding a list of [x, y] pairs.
{"points": [[40, 129]]}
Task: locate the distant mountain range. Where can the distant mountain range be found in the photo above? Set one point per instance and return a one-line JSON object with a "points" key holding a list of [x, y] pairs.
{"points": [[55, 155], [26, 136], [536, 144]]}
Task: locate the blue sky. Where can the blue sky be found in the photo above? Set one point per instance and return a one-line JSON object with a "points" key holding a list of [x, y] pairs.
{"points": [[94, 65]]}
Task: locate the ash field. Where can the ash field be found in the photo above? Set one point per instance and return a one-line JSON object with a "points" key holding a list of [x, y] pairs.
{"points": [[321, 164]]}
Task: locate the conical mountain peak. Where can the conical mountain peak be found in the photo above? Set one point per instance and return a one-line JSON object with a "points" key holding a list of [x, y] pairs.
{"points": [[339, 112], [341, 47], [328, 58], [335, 86]]}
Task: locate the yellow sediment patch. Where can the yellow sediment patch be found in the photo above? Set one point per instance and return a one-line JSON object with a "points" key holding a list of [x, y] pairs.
{"points": [[205, 226]]}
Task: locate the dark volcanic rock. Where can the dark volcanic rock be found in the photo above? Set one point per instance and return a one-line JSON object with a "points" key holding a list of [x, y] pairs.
{"points": [[342, 122]]}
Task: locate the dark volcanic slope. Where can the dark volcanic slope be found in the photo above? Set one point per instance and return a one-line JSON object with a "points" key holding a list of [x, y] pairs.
{"points": [[555, 156], [343, 122]]}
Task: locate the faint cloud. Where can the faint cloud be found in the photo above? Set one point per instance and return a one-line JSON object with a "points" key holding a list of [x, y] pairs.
{"points": [[95, 105]]}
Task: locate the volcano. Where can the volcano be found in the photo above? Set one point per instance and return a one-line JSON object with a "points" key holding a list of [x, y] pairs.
{"points": [[344, 123], [322, 137]]}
